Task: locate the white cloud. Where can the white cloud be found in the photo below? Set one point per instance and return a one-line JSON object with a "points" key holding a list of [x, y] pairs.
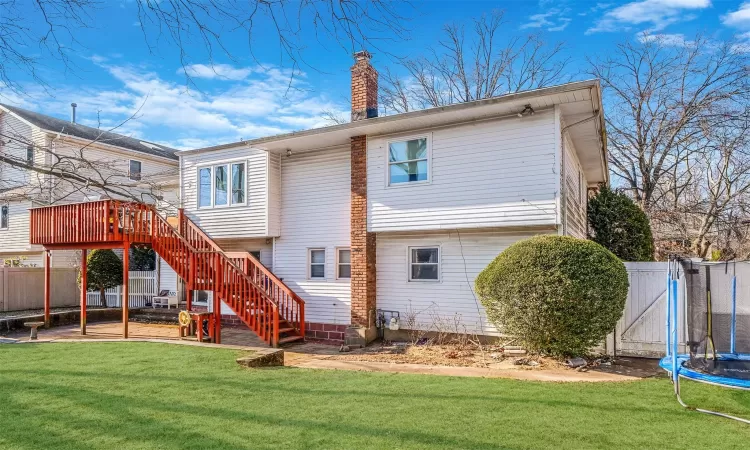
{"points": [[221, 71], [554, 19], [657, 14], [669, 40], [260, 104], [739, 18]]}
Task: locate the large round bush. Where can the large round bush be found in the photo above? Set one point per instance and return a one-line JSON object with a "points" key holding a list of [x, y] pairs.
{"points": [[559, 295], [617, 223]]}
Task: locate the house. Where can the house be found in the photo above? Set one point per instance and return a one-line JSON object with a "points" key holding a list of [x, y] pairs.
{"points": [[399, 213], [46, 143], [325, 232]]}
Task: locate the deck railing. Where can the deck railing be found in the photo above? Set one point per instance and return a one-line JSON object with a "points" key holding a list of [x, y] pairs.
{"points": [[254, 293], [91, 222]]}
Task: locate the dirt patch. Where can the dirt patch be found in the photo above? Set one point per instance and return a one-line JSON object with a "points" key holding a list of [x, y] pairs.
{"points": [[494, 357]]}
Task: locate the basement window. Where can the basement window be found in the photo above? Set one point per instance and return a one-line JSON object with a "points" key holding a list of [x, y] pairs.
{"points": [[4, 217], [408, 161], [343, 263], [317, 263], [424, 263]]}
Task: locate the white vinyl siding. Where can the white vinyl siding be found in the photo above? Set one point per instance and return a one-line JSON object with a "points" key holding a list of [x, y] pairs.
{"points": [[15, 237], [575, 189], [461, 260], [246, 220], [315, 193], [167, 276], [489, 174], [264, 246]]}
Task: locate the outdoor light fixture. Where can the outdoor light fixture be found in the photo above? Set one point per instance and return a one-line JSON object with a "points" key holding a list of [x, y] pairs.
{"points": [[527, 111], [288, 152]]}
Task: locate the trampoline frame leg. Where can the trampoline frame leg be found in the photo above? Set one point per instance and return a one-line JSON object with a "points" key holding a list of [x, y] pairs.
{"points": [[704, 411]]}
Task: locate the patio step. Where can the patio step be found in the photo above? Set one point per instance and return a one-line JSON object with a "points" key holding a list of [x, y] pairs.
{"points": [[288, 339]]}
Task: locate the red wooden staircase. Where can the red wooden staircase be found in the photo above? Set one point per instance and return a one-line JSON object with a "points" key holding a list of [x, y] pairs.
{"points": [[258, 297]]}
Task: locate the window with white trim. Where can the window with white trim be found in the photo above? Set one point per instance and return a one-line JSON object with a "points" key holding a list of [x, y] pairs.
{"points": [[4, 217], [408, 161], [317, 263], [343, 263], [424, 263], [222, 185], [134, 171]]}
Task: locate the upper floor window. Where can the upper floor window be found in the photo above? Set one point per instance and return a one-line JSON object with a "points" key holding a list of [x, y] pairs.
{"points": [[222, 185], [134, 171], [424, 263], [408, 161], [4, 217], [30, 155]]}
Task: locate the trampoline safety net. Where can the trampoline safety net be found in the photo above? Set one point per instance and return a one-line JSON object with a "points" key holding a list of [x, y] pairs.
{"points": [[717, 301]]}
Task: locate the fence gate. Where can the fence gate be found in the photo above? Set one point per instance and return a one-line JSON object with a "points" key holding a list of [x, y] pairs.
{"points": [[142, 288], [642, 329]]}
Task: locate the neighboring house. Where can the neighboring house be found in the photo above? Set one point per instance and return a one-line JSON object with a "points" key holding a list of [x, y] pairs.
{"points": [[400, 213], [136, 165]]}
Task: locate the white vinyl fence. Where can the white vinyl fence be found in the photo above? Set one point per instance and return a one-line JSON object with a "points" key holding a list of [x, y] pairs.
{"points": [[142, 288], [642, 329]]}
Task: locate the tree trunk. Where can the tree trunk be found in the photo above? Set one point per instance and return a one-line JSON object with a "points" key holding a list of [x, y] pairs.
{"points": [[102, 298], [701, 246]]}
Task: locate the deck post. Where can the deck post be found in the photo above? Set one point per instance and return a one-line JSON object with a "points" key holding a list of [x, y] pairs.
{"points": [[83, 291], [125, 286], [217, 282], [46, 288]]}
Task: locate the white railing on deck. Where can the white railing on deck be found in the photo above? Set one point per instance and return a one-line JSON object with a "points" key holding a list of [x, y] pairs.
{"points": [[142, 289]]}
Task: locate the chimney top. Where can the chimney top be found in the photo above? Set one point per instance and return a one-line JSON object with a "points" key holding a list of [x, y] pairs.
{"points": [[362, 55]]}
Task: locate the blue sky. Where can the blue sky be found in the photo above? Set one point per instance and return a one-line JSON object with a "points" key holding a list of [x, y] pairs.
{"points": [[115, 73]]}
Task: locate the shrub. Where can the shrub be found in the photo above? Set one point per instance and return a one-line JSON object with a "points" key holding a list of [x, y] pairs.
{"points": [[104, 271], [618, 224], [559, 295]]}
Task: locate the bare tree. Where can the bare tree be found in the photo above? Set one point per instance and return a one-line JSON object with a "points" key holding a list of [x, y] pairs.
{"points": [[658, 100], [717, 193], [200, 26], [482, 65]]}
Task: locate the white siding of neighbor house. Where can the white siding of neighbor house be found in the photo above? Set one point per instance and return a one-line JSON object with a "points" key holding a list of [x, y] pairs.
{"points": [[575, 188], [245, 221], [463, 254], [18, 133], [34, 259], [488, 174], [167, 276], [15, 238], [153, 170], [315, 214]]}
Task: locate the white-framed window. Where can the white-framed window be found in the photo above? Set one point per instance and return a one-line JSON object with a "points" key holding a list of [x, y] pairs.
{"points": [[343, 263], [134, 170], [316, 258], [424, 263], [4, 217], [408, 161], [222, 185], [30, 155]]}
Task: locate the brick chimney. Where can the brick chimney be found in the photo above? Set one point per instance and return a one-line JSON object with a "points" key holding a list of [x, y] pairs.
{"points": [[364, 87]]}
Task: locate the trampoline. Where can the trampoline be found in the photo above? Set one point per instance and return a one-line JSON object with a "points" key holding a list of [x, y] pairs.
{"points": [[707, 298]]}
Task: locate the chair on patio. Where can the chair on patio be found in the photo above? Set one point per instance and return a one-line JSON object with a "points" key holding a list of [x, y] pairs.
{"points": [[166, 298]]}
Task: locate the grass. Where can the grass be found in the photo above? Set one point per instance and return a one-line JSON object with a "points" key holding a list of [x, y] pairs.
{"points": [[141, 396]]}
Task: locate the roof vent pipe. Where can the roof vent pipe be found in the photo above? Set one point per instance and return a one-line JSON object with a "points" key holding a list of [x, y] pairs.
{"points": [[73, 112]]}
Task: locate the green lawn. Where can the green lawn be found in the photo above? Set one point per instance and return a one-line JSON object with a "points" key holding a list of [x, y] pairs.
{"points": [[140, 395]]}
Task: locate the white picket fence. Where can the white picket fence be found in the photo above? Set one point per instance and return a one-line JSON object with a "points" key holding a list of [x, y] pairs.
{"points": [[142, 288]]}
